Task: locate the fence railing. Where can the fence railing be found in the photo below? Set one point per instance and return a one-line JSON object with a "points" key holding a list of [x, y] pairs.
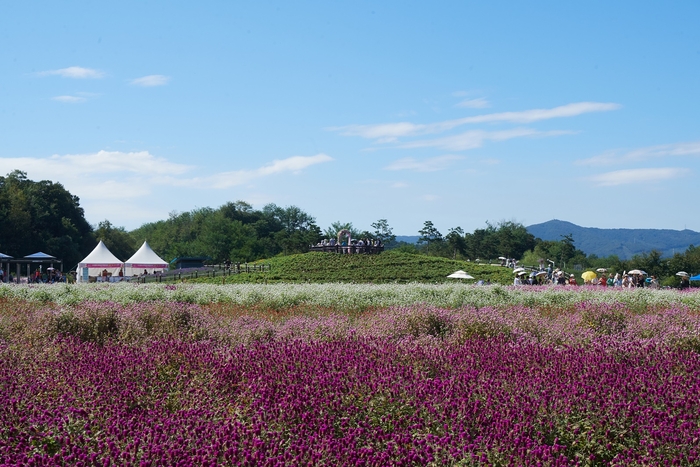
{"points": [[218, 270]]}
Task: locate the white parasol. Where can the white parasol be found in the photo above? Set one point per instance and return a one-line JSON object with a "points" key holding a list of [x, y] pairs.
{"points": [[460, 275]]}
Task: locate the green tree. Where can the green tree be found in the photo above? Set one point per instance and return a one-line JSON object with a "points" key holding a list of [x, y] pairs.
{"points": [[42, 216], [430, 238], [456, 242], [332, 231], [299, 230], [384, 233]]}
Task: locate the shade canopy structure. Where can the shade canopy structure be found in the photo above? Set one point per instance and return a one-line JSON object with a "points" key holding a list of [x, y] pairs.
{"points": [[460, 275], [145, 259], [695, 278], [98, 261], [3, 256], [39, 257]]}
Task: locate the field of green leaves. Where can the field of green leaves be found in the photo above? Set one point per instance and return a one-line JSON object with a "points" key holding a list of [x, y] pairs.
{"points": [[348, 374], [388, 267]]}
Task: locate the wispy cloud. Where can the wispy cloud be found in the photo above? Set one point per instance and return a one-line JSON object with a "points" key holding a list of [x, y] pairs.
{"points": [[293, 165], [390, 132], [476, 138], [69, 99], [632, 176], [478, 103], [100, 175], [151, 80], [432, 164], [115, 174], [74, 72], [651, 152]]}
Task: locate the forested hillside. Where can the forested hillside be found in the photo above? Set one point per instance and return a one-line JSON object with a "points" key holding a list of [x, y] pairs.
{"points": [[234, 231], [42, 216], [623, 243]]}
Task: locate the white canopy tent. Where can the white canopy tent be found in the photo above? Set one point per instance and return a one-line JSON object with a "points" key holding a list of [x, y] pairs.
{"points": [[145, 259], [98, 261]]}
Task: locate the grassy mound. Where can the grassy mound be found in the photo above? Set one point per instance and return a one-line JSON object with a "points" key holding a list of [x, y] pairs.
{"points": [[390, 266]]}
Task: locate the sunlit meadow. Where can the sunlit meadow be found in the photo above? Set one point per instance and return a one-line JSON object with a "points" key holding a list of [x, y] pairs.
{"points": [[342, 374]]}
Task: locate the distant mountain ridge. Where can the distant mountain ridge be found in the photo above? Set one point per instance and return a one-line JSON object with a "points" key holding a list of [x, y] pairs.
{"points": [[624, 243]]}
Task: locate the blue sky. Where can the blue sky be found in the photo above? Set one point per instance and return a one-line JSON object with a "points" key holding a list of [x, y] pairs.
{"points": [[454, 112]]}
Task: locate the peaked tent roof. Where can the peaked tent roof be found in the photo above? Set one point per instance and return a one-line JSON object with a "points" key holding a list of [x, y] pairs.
{"points": [[4, 256], [101, 257], [39, 255], [145, 257]]}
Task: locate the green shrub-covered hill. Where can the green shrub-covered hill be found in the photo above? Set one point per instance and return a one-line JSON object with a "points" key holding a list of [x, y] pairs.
{"points": [[390, 266]]}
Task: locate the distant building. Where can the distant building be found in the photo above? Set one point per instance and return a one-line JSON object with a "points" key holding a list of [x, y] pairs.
{"points": [[186, 262]]}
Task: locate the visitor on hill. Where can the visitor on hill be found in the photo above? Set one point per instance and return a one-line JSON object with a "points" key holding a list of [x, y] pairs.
{"points": [[685, 283], [603, 281], [572, 280]]}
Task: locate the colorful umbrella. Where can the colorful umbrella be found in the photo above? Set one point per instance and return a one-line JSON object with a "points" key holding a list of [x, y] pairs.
{"points": [[588, 276]]}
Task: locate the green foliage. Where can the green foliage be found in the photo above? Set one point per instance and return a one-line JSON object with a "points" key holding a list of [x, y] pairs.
{"points": [[388, 267], [42, 216], [507, 238], [384, 233], [234, 231], [332, 231]]}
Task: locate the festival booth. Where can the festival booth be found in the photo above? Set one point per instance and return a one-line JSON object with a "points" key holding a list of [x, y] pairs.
{"points": [[100, 266], [145, 260]]}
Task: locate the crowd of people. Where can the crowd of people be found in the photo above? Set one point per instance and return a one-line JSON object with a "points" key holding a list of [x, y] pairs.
{"points": [[556, 276], [50, 276], [366, 245]]}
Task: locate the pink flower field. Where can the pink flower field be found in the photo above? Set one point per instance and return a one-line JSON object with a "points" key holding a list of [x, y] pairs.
{"points": [[169, 383]]}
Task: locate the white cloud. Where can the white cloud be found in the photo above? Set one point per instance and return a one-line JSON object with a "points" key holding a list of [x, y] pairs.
{"points": [[478, 103], [74, 72], [476, 138], [139, 169], [631, 176], [390, 132], [651, 152], [151, 80], [432, 164], [399, 185], [133, 184], [69, 99], [430, 198], [238, 177]]}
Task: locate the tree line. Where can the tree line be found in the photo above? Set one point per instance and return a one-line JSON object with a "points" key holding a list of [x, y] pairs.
{"points": [[44, 216]]}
